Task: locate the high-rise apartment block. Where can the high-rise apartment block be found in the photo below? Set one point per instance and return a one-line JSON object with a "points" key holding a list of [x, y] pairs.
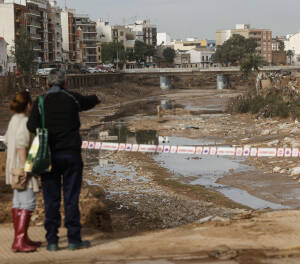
{"points": [[79, 36], [30, 15], [263, 37], [54, 32]]}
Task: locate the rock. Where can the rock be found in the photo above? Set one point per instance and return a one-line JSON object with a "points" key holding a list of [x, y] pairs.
{"points": [[205, 219], [276, 169], [289, 140], [295, 171], [295, 130], [273, 143], [265, 132]]}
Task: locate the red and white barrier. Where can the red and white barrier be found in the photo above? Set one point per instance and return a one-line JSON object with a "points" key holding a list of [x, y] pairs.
{"points": [[195, 150]]}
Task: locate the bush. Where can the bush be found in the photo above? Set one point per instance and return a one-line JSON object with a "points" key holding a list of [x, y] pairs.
{"points": [[270, 106]]}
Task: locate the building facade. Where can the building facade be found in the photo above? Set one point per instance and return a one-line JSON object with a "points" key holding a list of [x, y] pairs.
{"points": [[104, 32], [293, 43], [30, 15], [163, 39], [145, 32], [124, 36], [201, 58], [262, 36], [54, 33], [182, 59], [89, 38], [189, 44], [3, 57], [68, 35], [79, 37]]}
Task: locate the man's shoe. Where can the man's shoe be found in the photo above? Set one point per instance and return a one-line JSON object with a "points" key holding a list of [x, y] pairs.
{"points": [[52, 247], [80, 245]]}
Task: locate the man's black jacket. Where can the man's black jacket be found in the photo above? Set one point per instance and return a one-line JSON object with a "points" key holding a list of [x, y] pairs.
{"points": [[62, 118]]}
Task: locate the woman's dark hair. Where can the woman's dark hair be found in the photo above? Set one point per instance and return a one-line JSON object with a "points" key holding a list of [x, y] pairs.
{"points": [[20, 102]]}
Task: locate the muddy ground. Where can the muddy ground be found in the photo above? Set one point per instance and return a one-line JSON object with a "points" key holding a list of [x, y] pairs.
{"points": [[125, 194]]}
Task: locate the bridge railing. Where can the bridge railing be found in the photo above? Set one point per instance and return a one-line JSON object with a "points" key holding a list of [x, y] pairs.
{"points": [[212, 69]]}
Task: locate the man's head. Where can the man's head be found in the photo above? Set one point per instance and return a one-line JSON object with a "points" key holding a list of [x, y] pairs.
{"points": [[57, 78]]}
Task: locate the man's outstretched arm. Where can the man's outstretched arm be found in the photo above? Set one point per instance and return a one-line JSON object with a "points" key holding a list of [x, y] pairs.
{"points": [[87, 102]]}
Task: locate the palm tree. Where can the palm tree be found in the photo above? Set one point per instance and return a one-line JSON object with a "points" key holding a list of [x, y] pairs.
{"points": [[290, 55]]}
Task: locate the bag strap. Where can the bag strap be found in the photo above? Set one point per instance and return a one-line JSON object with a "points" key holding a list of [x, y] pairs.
{"points": [[42, 110]]}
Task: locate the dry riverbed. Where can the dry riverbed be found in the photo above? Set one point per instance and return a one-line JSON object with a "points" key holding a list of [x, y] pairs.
{"points": [[130, 193]]}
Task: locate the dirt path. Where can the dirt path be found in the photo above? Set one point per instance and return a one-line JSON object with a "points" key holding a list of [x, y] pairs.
{"points": [[271, 237]]}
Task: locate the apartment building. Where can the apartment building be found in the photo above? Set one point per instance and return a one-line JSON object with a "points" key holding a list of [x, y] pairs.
{"points": [[54, 32], [145, 32], [31, 15], [89, 37], [124, 36], [37, 26], [263, 37]]}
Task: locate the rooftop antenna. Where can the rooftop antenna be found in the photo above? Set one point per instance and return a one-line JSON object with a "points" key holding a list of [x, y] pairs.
{"points": [[65, 4]]}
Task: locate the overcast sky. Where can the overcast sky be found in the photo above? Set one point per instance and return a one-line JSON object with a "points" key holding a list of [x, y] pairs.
{"points": [[196, 18]]}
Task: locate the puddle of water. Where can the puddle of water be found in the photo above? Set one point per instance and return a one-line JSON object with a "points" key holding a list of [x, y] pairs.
{"points": [[201, 108], [206, 170]]}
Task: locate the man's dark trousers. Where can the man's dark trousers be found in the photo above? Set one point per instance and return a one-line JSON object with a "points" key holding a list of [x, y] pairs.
{"points": [[67, 173]]}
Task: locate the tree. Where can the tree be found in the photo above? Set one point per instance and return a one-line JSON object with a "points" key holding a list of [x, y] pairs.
{"points": [[252, 62], [169, 54], [234, 50], [113, 52], [240, 51], [290, 55], [23, 52], [142, 50], [281, 45]]}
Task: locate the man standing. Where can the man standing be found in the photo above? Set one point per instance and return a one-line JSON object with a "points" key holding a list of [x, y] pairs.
{"points": [[62, 121]]}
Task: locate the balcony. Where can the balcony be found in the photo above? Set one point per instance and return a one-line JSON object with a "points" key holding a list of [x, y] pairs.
{"points": [[34, 13], [37, 48], [34, 24], [35, 37]]}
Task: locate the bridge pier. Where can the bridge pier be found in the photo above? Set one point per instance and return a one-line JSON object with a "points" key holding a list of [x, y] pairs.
{"points": [[165, 82]]}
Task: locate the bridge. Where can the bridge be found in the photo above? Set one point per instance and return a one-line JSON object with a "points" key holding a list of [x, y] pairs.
{"points": [[218, 70]]}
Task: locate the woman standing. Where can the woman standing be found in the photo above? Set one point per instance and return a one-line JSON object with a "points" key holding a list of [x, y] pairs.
{"points": [[17, 139]]}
